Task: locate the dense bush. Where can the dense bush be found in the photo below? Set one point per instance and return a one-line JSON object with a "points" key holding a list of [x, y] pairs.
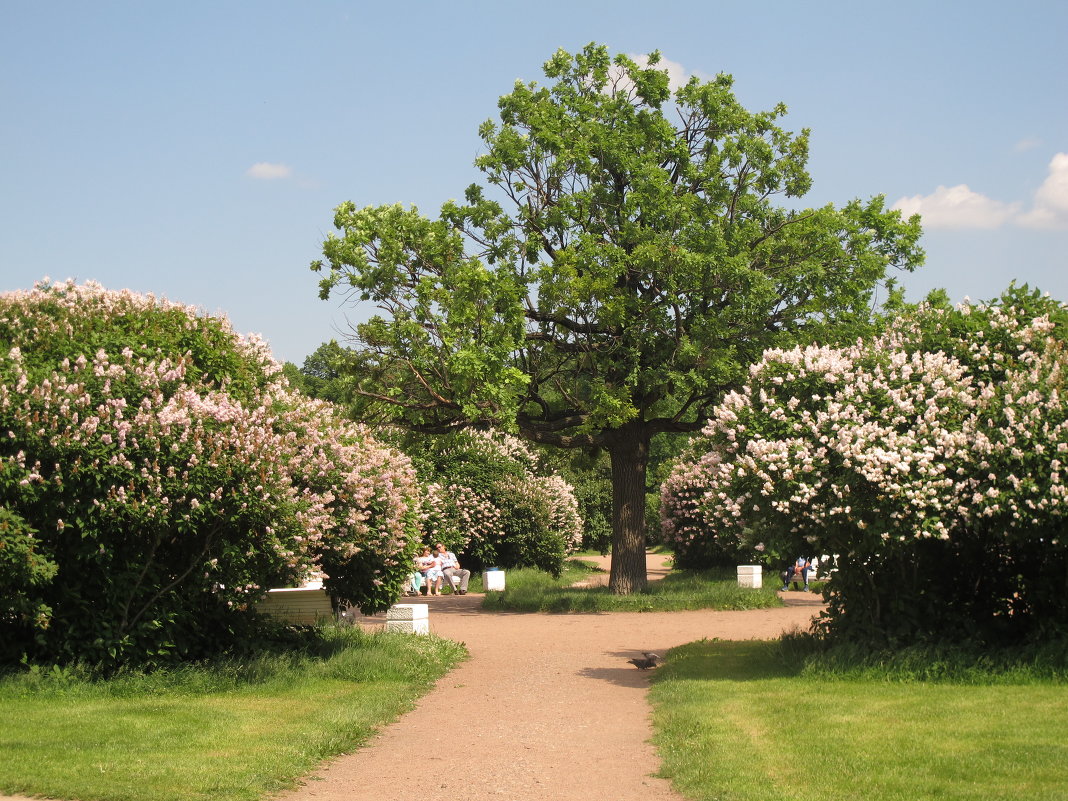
{"points": [[494, 501], [171, 478], [489, 501], [929, 459], [590, 477], [23, 571]]}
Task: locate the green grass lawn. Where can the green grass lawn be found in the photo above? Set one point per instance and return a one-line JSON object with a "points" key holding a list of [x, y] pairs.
{"points": [[529, 590], [230, 731], [734, 721]]}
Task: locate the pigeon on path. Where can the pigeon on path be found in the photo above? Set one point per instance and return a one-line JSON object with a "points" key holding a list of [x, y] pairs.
{"points": [[650, 661]]}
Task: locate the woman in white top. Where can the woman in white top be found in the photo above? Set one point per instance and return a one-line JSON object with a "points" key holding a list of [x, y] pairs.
{"points": [[430, 566]]}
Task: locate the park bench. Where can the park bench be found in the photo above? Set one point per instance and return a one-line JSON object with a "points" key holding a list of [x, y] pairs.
{"points": [[305, 605], [795, 581]]}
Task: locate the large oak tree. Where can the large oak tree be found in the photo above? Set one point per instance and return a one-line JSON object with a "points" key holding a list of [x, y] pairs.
{"points": [[621, 268]]}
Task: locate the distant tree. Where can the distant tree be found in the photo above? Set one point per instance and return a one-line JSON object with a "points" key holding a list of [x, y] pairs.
{"points": [[628, 268], [323, 374], [293, 376]]}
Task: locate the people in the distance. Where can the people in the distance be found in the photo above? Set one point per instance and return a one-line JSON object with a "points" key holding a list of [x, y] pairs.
{"points": [[450, 566], [796, 572], [430, 566], [415, 580]]}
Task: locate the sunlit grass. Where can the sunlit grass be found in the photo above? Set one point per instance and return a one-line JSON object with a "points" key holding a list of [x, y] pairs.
{"points": [[534, 591], [738, 721], [234, 730]]}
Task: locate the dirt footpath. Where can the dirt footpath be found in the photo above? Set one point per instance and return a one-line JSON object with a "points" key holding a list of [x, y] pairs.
{"points": [[547, 707]]}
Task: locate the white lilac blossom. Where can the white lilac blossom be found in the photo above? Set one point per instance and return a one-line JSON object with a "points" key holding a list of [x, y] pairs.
{"points": [[883, 440]]}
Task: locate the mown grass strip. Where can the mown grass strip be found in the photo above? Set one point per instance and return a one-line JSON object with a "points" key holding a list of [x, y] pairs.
{"points": [[535, 591], [227, 732], [736, 721]]}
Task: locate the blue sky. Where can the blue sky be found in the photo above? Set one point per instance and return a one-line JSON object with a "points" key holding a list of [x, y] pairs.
{"points": [[197, 149]]}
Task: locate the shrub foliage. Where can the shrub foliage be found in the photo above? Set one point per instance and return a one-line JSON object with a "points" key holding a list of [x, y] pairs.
{"points": [[491, 500], [157, 476], [929, 460]]}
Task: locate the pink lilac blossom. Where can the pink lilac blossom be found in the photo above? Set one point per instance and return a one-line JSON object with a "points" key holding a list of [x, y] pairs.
{"points": [[169, 452]]}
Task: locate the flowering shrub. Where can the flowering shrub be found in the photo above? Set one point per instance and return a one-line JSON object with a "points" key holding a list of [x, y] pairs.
{"points": [[488, 502], [364, 505], [930, 459], [172, 478], [22, 571]]}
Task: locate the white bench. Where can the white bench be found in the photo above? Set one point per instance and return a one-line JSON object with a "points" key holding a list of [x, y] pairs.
{"points": [[298, 605]]}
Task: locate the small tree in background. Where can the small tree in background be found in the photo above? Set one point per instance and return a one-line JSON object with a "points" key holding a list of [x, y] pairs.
{"points": [[323, 374], [930, 460], [170, 478]]}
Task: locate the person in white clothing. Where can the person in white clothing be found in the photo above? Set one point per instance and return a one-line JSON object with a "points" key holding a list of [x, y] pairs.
{"points": [[430, 566], [450, 567]]}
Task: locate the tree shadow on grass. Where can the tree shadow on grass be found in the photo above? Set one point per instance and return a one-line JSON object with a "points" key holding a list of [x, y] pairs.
{"points": [[728, 660], [704, 660]]}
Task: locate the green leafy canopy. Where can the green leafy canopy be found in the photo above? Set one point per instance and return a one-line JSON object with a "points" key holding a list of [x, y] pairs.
{"points": [[623, 263]]}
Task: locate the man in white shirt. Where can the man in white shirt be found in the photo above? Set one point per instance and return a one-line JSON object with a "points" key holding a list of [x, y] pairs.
{"points": [[451, 567]]}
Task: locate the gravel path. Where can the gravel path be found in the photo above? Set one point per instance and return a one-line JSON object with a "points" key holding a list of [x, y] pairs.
{"points": [[547, 707]]}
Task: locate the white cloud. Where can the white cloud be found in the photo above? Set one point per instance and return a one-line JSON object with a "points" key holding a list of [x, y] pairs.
{"points": [[957, 207], [1030, 143], [960, 207], [266, 171], [677, 74], [1050, 209]]}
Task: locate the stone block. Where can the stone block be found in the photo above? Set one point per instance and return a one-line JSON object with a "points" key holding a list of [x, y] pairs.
{"points": [[750, 576], [493, 580], [408, 618]]}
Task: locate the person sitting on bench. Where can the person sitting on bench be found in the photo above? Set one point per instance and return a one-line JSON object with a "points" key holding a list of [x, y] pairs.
{"points": [[430, 566], [450, 567], [796, 572]]}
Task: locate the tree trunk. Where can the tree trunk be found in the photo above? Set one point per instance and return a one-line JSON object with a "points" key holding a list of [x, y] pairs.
{"points": [[630, 457]]}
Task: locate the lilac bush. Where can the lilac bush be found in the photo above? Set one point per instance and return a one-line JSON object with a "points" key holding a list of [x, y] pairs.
{"points": [[23, 571], [493, 504], [930, 459], [364, 504], [172, 477]]}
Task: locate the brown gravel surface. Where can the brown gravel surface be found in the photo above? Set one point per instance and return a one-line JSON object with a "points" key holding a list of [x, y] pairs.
{"points": [[547, 708]]}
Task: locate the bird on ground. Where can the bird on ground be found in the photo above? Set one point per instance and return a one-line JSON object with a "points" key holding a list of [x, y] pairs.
{"points": [[650, 660]]}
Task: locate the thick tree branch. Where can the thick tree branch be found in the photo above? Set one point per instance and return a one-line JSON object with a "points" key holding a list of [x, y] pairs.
{"points": [[572, 325]]}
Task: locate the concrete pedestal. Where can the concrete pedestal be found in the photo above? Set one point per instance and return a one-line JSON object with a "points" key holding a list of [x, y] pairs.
{"points": [[409, 618], [493, 580], [750, 576]]}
